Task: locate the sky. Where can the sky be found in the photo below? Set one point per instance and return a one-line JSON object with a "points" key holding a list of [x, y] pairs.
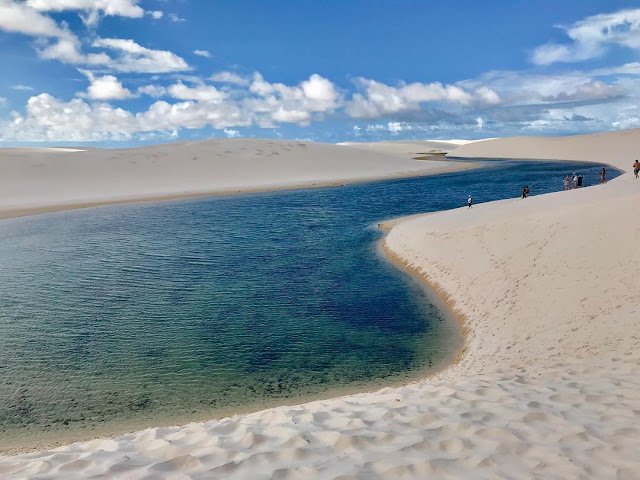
{"points": [[132, 72]]}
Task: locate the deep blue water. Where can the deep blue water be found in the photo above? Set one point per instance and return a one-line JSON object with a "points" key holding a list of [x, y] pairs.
{"points": [[142, 313]]}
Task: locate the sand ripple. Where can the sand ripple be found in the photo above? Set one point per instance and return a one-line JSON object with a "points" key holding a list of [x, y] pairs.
{"points": [[574, 420]]}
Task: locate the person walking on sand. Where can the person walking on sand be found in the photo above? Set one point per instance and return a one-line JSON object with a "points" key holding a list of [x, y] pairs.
{"points": [[603, 175], [636, 168], [525, 191], [469, 201], [575, 180], [567, 182]]}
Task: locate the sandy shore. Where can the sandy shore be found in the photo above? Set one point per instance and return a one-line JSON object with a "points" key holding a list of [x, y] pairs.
{"points": [[548, 385], [38, 180]]}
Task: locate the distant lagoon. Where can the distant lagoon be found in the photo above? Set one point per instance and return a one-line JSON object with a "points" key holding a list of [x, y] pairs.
{"points": [[117, 317]]}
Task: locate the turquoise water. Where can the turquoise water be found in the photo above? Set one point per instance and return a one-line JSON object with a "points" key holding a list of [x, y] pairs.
{"points": [[142, 314]]}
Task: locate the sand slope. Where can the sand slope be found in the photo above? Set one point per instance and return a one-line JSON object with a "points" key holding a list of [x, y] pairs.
{"points": [[49, 179], [614, 148], [548, 386]]}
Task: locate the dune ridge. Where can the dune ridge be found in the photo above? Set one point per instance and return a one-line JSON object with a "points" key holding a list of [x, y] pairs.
{"points": [[36, 180]]}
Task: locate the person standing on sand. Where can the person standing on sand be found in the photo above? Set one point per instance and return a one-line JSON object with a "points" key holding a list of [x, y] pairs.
{"points": [[469, 201], [567, 182], [575, 180], [525, 191], [603, 175], [636, 168]]}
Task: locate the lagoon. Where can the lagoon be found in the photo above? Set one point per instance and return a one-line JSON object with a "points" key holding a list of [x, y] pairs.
{"points": [[117, 317]]}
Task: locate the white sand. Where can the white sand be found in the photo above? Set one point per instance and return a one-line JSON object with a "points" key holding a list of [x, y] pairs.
{"points": [[548, 386], [40, 179], [614, 148], [458, 141]]}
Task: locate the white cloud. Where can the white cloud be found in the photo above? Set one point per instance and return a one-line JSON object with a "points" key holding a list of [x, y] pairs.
{"points": [[589, 91], [202, 53], [394, 127], [552, 53], [632, 68], [590, 37], [291, 104], [24, 88], [379, 99], [191, 114], [480, 123], [153, 90], [199, 106], [488, 96], [229, 77], [106, 87], [530, 88], [231, 133], [203, 93], [91, 9], [176, 18], [49, 119], [20, 18], [56, 42], [155, 14], [133, 57], [320, 90]]}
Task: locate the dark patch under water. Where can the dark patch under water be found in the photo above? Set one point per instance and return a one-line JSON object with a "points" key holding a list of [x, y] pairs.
{"points": [[181, 309]]}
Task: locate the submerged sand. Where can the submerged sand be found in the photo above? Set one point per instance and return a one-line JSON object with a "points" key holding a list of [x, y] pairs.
{"points": [[548, 385]]}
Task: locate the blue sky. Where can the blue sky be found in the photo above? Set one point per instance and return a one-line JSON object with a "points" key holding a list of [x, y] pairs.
{"points": [[126, 72]]}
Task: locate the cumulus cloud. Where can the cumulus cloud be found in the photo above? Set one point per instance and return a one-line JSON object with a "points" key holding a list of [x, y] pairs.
{"points": [[165, 116], [203, 93], [199, 105], [49, 119], [152, 90], [590, 37], [378, 99], [106, 87], [231, 133], [291, 104], [229, 77], [20, 18]]}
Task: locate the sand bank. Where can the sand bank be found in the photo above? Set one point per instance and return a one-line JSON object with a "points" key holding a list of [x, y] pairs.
{"points": [[613, 148], [548, 386], [36, 180]]}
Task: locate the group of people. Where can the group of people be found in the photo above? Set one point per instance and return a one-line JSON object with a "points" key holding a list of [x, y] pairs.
{"points": [[572, 181]]}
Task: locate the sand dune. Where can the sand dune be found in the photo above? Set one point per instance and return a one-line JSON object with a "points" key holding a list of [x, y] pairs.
{"points": [[614, 148], [548, 386], [39, 179]]}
